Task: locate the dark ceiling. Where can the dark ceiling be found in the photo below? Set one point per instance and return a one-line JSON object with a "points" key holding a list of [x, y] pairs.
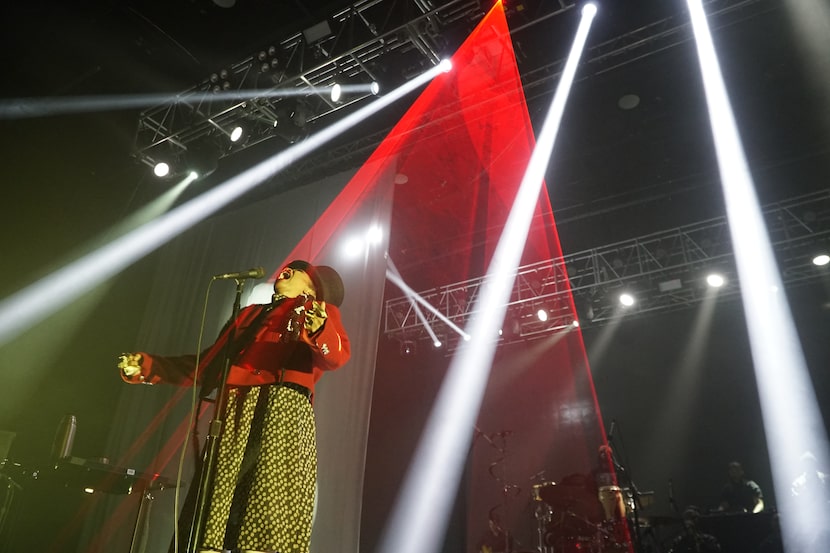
{"points": [[615, 174]]}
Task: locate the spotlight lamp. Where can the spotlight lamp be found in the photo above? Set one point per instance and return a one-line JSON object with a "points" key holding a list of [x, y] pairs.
{"points": [[161, 169], [268, 59], [821, 260], [336, 92], [589, 9], [626, 299], [715, 280], [220, 81], [234, 133], [408, 348]]}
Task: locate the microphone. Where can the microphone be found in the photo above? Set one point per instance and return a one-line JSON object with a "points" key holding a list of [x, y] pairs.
{"points": [[256, 272]]}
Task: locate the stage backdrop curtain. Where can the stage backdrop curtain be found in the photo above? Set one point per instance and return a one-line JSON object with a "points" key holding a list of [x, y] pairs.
{"points": [[151, 420]]}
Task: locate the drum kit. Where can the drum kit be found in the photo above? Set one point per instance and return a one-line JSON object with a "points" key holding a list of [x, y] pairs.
{"points": [[574, 517]]}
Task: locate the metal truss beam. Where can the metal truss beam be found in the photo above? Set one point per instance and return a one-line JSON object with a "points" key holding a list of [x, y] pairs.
{"points": [[665, 271], [357, 45], [351, 47], [601, 58]]}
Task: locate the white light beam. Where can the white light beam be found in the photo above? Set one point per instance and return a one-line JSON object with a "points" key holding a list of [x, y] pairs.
{"points": [[31, 304], [420, 314], [792, 419], [419, 520]]}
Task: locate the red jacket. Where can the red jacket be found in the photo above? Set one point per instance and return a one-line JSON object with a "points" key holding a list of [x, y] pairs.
{"points": [[259, 356]]}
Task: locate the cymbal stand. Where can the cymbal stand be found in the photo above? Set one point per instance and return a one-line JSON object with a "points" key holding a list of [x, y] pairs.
{"points": [[498, 441], [544, 516]]}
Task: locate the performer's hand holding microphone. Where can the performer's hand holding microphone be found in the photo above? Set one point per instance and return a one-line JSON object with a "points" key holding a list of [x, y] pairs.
{"points": [[308, 314], [315, 316]]}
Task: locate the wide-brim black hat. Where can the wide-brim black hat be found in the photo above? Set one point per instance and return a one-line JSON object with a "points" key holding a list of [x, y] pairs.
{"points": [[326, 280]]}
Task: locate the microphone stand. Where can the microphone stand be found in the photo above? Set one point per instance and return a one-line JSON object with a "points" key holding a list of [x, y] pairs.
{"points": [[212, 440]]}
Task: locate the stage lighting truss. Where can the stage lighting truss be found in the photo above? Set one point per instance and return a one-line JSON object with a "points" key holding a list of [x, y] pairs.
{"points": [[266, 92], [540, 66], [364, 41], [665, 270]]}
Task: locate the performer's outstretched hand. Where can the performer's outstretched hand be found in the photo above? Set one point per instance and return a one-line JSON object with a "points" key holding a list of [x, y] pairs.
{"points": [[130, 364]]}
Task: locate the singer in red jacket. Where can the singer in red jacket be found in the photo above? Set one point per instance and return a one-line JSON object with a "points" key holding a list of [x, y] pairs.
{"points": [[262, 497]]}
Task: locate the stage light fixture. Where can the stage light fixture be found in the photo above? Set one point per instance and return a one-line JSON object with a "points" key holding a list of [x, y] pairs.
{"points": [[336, 92], [589, 10], [542, 315], [408, 348], [220, 81], [268, 60], [234, 135], [821, 260], [161, 169], [374, 88], [626, 299], [715, 280]]}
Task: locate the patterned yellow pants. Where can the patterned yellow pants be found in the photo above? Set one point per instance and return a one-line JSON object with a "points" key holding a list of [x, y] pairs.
{"points": [[263, 493]]}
